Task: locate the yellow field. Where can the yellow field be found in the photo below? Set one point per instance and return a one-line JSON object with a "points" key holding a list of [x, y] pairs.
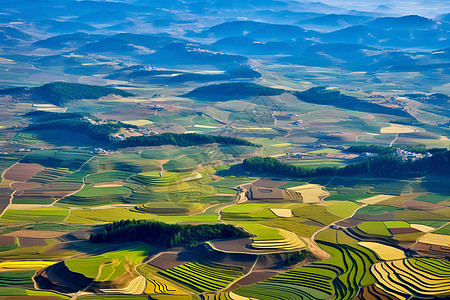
{"points": [[138, 122], [282, 212], [311, 193], [398, 128], [204, 126], [237, 297], [436, 239], [102, 185], [291, 242], [134, 287], [384, 252], [375, 199], [423, 228], [281, 145], [25, 265], [409, 279]]}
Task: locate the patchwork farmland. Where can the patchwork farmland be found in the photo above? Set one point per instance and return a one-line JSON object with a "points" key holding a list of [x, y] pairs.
{"points": [[224, 150]]}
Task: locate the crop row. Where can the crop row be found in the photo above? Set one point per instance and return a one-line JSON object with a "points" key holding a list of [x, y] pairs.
{"points": [[202, 277], [154, 178], [156, 287], [111, 264], [352, 263], [421, 278], [291, 242], [217, 296], [48, 175], [311, 282], [277, 291], [16, 278]]}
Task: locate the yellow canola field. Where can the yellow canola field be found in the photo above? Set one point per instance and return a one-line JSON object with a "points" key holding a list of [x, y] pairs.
{"points": [[384, 252], [25, 265]]}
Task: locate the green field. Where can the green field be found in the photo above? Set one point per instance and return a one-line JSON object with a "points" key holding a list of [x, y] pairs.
{"points": [[49, 214], [377, 228], [108, 176], [108, 266]]}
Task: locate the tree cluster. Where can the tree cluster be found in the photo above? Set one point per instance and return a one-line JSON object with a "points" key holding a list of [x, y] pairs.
{"points": [[76, 122], [61, 93], [273, 165], [323, 96], [180, 139], [233, 90], [165, 235], [384, 165]]}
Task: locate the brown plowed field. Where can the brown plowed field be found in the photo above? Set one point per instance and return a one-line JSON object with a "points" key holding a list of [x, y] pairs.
{"points": [[403, 230], [420, 205], [42, 234], [167, 260], [5, 196], [254, 277], [22, 172], [371, 292], [6, 240], [431, 250], [31, 242], [381, 217], [269, 183], [19, 185]]}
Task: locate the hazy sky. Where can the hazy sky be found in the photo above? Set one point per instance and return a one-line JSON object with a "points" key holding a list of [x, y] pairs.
{"points": [[429, 8]]}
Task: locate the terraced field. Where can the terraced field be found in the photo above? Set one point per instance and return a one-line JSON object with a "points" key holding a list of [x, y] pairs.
{"points": [[352, 264], [421, 277], [109, 266], [158, 178], [308, 282], [203, 277], [289, 242], [16, 278]]}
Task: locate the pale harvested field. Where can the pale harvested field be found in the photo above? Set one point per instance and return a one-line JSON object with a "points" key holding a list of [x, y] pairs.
{"points": [[423, 228], [25, 206], [282, 212], [138, 122], [375, 199], [384, 252], [435, 239], [103, 185], [204, 126], [311, 193], [398, 128]]}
